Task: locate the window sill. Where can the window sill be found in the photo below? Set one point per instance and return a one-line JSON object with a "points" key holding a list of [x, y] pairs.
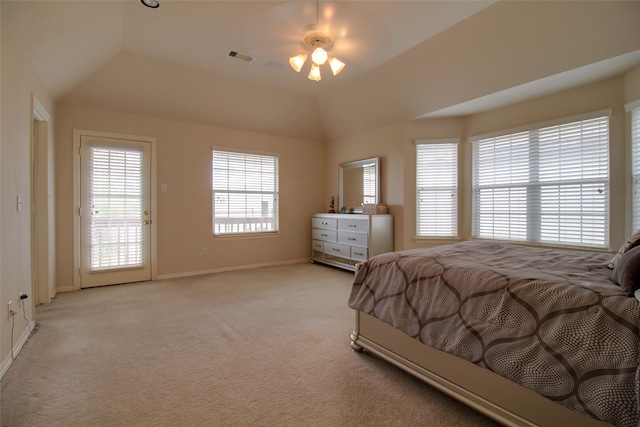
{"points": [[241, 236], [436, 240]]}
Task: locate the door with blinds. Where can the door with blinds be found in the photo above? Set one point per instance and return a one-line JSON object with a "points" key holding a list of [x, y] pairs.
{"points": [[115, 214]]}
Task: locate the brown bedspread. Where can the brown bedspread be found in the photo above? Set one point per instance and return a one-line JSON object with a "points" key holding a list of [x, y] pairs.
{"points": [[549, 320]]}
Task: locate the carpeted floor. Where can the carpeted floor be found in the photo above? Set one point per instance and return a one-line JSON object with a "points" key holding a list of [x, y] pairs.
{"points": [[262, 347]]}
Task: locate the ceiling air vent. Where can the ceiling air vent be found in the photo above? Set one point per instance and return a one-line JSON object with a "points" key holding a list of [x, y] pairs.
{"points": [[274, 65], [241, 56]]}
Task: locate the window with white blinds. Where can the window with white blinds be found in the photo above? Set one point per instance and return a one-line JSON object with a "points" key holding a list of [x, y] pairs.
{"points": [[116, 199], [634, 108], [437, 188], [548, 184], [245, 193]]}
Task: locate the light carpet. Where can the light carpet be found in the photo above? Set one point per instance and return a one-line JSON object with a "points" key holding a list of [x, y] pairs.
{"points": [[261, 347]]}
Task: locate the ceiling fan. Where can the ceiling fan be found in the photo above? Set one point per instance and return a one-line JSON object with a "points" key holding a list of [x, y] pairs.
{"points": [[318, 41], [347, 30]]}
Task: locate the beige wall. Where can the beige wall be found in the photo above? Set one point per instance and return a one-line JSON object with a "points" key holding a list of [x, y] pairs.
{"points": [[395, 144], [19, 83], [183, 216], [632, 85]]}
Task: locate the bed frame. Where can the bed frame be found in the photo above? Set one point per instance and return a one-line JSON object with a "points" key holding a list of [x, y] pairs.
{"points": [[488, 393]]}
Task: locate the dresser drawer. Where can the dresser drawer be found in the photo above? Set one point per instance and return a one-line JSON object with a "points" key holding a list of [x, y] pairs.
{"points": [[349, 238], [324, 223], [326, 235], [359, 254], [355, 224], [336, 249], [317, 245]]}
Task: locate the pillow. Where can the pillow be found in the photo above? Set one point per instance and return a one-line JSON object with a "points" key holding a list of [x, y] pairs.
{"points": [[632, 241], [626, 273]]}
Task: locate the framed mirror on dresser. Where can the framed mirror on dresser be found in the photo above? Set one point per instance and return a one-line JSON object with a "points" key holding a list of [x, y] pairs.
{"points": [[348, 238], [359, 184]]}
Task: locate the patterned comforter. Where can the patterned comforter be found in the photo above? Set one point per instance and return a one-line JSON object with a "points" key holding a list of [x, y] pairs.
{"points": [[549, 320]]}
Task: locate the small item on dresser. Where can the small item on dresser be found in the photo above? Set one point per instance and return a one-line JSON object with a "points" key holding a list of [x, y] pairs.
{"points": [[332, 205], [374, 209]]}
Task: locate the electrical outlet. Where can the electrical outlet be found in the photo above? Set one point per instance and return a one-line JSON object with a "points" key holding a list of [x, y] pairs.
{"points": [[205, 251]]}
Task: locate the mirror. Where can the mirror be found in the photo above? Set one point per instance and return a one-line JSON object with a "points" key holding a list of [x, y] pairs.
{"points": [[359, 183]]}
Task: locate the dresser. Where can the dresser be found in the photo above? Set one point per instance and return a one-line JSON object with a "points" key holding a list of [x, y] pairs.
{"points": [[344, 240]]}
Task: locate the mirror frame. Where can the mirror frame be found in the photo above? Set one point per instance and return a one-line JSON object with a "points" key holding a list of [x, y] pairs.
{"points": [[359, 164]]}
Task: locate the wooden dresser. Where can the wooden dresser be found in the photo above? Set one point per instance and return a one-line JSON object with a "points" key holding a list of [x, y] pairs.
{"points": [[343, 240]]}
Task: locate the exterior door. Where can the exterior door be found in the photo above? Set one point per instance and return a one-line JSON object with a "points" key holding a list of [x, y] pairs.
{"points": [[115, 214]]}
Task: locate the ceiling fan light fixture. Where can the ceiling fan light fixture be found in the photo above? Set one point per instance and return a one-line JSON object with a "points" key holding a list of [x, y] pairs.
{"points": [[315, 39], [319, 56], [336, 65], [314, 74], [298, 61], [153, 4]]}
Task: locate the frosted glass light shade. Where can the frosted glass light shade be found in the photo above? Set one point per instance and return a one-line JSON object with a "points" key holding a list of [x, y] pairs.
{"points": [[298, 61], [319, 56], [314, 74], [336, 65]]}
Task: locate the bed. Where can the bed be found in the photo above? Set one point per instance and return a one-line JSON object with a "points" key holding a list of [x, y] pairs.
{"points": [[528, 336]]}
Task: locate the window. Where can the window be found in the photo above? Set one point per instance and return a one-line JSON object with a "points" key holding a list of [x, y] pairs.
{"points": [[634, 108], [546, 184], [116, 198], [437, 188], [245, 193]]}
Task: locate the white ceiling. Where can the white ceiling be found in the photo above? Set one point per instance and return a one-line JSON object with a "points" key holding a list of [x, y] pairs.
{"points": [[69, 40], [406, 59]]}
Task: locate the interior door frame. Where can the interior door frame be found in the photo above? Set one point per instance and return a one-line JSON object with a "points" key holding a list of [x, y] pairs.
{"points": [[77, 248], [42, 262]]}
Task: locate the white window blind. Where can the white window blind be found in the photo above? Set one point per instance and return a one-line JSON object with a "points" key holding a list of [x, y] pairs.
{"points": [[634, 108], [245, 193], [437, 189], [545, 185], [116, 197], [369, 183]]}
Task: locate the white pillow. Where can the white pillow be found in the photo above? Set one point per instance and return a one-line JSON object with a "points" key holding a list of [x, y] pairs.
{"points": [[632, 241]]}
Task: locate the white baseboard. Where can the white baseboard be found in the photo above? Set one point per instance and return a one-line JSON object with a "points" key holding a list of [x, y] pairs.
{"points": [[235, 268], [211, 271], [6, 363]]}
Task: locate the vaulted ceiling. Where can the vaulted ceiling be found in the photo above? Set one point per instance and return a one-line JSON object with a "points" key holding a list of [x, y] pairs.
{"points": [[405, 59]]}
